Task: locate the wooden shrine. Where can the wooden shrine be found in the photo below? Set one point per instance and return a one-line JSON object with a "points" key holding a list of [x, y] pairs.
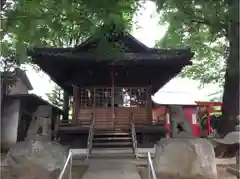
{"points": [[115, 94]]}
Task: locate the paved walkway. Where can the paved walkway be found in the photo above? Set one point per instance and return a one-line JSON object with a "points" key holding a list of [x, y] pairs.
{"points": [[111, 169]]}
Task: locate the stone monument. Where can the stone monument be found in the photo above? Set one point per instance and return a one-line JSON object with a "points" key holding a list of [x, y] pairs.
{"points": [[185, 158], [40, 126], [180, 124]]}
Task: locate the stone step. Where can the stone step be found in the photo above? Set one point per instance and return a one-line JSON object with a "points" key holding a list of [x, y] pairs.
{"points": [[112, 153], [112, 156]]}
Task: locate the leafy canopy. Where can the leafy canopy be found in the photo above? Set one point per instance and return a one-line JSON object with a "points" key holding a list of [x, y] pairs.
{"points": [[44, 23], [202, 26]]}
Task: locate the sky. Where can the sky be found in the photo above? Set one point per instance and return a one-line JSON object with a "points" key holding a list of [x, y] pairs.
{"points": [[147, 31]]}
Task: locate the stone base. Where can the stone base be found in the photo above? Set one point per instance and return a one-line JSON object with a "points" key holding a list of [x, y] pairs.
{"points": [[50, 155], [28, 170], [6, 146], [186, 158]]}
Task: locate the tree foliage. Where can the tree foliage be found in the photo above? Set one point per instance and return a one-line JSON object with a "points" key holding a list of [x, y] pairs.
{"points": [[56, 96], [8, 66], [202, 26], [42, 23]]}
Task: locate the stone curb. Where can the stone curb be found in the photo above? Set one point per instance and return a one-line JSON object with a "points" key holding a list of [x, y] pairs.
{"points": [[234, 171]]}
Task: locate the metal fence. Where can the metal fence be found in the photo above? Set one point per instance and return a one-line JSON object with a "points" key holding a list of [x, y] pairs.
{"points": [[151, 170]]}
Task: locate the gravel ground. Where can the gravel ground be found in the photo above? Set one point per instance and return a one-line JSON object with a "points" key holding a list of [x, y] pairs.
{"points": [[78, 171], [222, 173]]}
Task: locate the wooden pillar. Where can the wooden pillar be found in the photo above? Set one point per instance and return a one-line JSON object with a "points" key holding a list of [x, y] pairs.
{"points": [[149, 104], [209, 119], [75, 104], [65, 105], [113, 97]]}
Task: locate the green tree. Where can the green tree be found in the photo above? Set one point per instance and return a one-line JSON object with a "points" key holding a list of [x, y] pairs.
{"points": [[211, 29], [44, 23], [56, 96]]}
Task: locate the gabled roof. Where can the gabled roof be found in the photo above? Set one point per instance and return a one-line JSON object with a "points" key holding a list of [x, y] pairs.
{"points": [[35, 100], [138, 64], [123, 37], [23, 76], [133, 49]]}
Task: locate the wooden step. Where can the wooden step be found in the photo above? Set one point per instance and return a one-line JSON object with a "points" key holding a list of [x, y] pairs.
{"points": [[111, 133], [105, 144], [123, 149], [111, 138], [125, 129]]}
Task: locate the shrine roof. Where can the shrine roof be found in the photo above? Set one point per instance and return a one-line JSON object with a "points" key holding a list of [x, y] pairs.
{"points": [[137, 64]]}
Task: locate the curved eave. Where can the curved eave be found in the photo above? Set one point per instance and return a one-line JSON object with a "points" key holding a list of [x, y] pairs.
{"points": [[58, 63]]}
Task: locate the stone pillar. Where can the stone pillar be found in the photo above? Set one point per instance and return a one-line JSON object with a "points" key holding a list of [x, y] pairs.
{"points": [[9, 122], [65, 105]]}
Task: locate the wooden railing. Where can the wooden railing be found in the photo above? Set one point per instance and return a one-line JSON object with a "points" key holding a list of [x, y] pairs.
{"points": [[90, 137], [134, 137]]}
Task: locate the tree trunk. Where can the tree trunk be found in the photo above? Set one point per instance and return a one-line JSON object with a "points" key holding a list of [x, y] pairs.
{"points": [[231, 86], [65, 106], [3, 91]]}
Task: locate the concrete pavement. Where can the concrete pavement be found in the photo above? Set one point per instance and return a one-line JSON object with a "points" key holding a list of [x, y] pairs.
{"points": [[111, 169]]}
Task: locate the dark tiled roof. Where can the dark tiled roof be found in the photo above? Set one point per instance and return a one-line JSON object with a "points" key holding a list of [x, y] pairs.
{"points": [[146, 65], [163, 55]]}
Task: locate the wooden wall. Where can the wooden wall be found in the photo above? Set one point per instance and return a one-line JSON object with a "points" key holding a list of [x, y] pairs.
{"points": [[117, 118], [111, 117]]}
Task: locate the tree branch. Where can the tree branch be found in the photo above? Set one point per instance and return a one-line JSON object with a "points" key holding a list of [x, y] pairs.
{"points": [[202, 20], [213, 49]]}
